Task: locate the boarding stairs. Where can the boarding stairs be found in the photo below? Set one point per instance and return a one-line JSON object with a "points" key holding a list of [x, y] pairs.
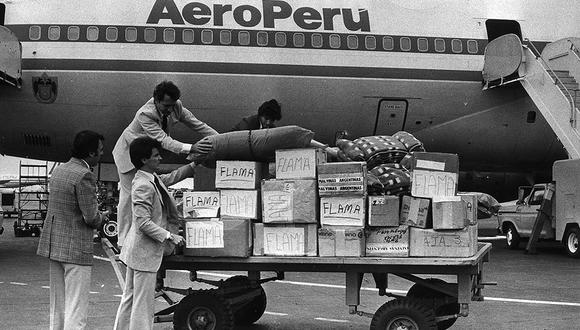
{"points": [[551, 80], [10, 58]]}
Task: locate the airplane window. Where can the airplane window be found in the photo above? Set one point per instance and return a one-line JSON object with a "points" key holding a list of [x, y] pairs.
{"points": [[370, 42], [439, 45], [244, 38], [388, 43], [53, 32], [169, 35], [73, 33], [405, 44], [316, 40], [112, 34], [131, 34], [187, 36], [456, 46], [299, 40], [34, 32], [352, 42], [422, 44], [472, 46], [150, 35], [334, 41], [206, 36], [280, 39], [262, 38], [92, 33], [225, 37]]}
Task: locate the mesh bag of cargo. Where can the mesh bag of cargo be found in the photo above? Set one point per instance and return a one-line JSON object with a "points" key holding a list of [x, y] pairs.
{"points": [[256, 145]]}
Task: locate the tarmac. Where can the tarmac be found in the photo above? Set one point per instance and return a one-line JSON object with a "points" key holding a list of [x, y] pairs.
{"points": [[533, 292]]}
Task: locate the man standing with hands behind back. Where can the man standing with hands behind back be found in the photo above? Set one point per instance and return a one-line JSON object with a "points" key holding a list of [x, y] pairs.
{"points": [[155, 120], [67, 236], [154, 210]]}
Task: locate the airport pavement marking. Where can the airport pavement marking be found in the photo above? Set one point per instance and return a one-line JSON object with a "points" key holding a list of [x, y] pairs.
{"points": [[18, 283], [101, 258], [490, 238], [45, 287], [330, 320], [538, 302], [275, 314]]}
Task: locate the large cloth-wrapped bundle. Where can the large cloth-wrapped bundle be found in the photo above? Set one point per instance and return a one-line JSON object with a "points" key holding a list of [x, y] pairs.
{"points": [[256, 145]]}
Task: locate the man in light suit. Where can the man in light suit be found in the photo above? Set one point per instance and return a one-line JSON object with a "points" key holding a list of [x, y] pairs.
{"points": [[155, 120], [154, 210], [268, 113], [67, 236]]}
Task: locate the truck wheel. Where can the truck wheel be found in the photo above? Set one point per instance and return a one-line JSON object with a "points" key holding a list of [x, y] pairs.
{"points": [[203, 310], [110, 230], [252, 311], [404, 313], [570, 242], [512, 238], [438, 300]]}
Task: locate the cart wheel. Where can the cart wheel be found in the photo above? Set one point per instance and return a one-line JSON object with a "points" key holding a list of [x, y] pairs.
{"points": [[404, 313], [252, 311], [512, 238], [437, 301], [203, 310], [570, 242], [110, 230]]}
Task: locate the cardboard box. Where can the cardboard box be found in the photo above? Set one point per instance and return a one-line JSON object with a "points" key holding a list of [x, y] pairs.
{"points": [[470, 200], [434, 174], [343, 211], [436, 161], [345, 178], [201, 204], [298, 163], [341, 242], [285, 240], [240, 204], [289, 201], [384, 211], [204, 178], [387, 242], [415, 212], [449, 213], [237, 174], [448, 243], [217, 238]]}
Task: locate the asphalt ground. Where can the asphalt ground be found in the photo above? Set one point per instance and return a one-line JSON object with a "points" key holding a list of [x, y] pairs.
{"points": [[534, 292]]}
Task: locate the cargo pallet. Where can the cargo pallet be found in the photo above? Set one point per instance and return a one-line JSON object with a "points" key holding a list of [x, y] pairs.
{"points": [[429, 304]]}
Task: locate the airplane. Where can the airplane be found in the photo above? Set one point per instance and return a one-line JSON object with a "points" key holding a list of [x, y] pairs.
{"points": [[367, 67]]}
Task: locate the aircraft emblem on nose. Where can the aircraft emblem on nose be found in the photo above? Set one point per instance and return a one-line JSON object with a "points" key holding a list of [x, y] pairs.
{"points": [[45, 88]]}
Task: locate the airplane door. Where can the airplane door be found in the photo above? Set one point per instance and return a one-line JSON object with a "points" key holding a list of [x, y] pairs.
{"points": [[391, 116]]}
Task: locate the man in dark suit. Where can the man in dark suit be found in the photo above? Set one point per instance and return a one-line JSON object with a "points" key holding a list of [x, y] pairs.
{"points": [[268, 113], [154, 212], [67, 236]]}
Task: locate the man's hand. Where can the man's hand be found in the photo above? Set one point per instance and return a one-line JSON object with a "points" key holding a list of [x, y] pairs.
{"points": [[201, 147], [177, 239]]}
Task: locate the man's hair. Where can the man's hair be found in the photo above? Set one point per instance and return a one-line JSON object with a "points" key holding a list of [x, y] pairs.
{"points": [[270, 109], [86, 142], [140, 148], [166, 87]]}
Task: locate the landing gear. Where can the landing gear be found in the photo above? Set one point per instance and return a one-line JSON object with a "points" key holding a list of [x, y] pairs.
{"points": [[404, 313]]}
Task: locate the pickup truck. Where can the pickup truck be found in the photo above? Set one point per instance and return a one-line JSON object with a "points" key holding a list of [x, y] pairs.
{"points": [[517, 217]]}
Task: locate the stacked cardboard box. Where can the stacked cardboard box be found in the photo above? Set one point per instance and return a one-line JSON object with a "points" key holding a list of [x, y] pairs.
{"points": [[438, 217], [219, 223], [343, 197], [290, 206], [385, 235]]}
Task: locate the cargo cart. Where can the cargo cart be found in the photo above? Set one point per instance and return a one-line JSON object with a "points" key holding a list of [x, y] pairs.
{"points": [[430, 303]]}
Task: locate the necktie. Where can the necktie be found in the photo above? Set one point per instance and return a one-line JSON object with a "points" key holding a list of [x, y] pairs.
{"points": [[164, 123], [162, 191]]}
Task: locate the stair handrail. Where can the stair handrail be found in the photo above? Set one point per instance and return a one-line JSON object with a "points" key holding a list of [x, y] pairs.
{"points": [[574, 49], [557, 80]]}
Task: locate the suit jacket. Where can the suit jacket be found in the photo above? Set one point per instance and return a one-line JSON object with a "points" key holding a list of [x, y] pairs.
{"points": [[153, 213], [249, 123], [72, 215], [147, 122]]}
